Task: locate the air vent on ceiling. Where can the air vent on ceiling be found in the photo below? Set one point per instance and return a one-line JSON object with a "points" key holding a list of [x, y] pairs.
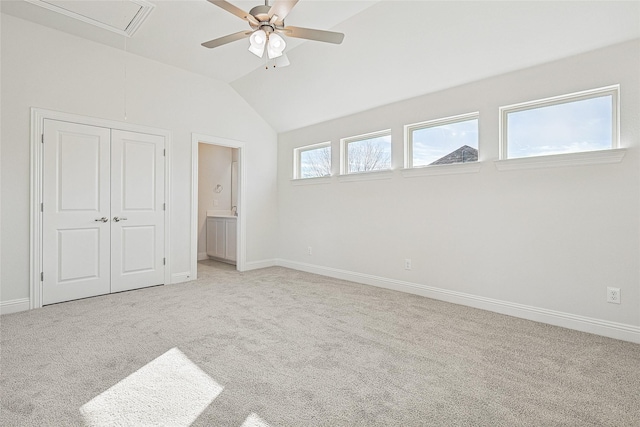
{"points": [[120, 16]]}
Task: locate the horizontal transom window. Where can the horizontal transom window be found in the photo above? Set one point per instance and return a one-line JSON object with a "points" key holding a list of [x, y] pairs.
{"points": [[312, 161], [366, 153], [443, 141], [573, 123]]}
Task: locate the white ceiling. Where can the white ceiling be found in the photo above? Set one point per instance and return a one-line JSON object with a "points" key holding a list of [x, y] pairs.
{"points": [[393, 50]]}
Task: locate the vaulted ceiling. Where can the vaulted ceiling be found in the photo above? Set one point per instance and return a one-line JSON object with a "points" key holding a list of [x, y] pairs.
{"points": [[393, 49]]}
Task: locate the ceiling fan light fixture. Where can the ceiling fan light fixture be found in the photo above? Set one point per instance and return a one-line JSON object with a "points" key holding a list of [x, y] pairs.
{"points": [[257, 42], [275, 46], [265, 21]]}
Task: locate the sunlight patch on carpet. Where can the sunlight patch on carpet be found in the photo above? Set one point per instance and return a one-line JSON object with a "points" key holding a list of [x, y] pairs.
{"points": [[169, 390], [254, 421]]}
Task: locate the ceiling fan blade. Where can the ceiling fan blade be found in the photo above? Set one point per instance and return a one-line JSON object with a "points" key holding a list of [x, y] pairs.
{"points": [[281, 8], [232, 9], [311, 34], [227, 39]]}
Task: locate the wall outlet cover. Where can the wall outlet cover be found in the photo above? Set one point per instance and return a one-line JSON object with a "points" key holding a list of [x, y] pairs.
{"points": [[613, 295]]}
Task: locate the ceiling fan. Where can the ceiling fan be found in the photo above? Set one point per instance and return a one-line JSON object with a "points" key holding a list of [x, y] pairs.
{"points": [[267, 23]]}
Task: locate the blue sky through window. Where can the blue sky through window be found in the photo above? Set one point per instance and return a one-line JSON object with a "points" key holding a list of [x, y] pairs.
{"points": [[435, 142], [315, 162], [584, 125]]}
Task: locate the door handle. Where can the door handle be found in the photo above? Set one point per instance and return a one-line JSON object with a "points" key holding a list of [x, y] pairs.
{"points": [[118, 219], [103, 219]]}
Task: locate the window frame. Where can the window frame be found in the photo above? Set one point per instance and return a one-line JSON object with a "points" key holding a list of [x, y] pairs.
{"points": [[613, 90], [410, 128], [297, 159], [344, 151]]}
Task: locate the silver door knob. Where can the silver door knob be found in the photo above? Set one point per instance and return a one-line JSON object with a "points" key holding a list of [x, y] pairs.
{"points": [[118, 219], [103, 219]]}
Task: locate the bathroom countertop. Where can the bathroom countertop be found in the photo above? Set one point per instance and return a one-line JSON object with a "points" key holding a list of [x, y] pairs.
{"points": [[221, 214]]}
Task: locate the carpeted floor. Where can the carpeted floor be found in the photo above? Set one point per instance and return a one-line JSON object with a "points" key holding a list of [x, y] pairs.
{"points": [[295, 349]]}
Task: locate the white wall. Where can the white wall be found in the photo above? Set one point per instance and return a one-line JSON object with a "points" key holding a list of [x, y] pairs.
{"points": [[214, 168], [49, 69], [548, 239]]}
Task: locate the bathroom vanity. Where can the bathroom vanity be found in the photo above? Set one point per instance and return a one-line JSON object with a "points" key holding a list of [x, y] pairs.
{"points": [[221, 236]]}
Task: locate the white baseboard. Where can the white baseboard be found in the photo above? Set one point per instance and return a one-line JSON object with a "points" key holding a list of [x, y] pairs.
{"points": [[605, 328], [14, 305], [181, 277], [202, 256], [254, 265]]}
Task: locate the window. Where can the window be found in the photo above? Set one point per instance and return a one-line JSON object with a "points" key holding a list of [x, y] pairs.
{"points": [[367, 153], [312, 161], [443, 141], [585, 121]]}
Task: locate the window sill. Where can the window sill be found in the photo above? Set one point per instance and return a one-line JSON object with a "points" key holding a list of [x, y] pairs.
{"points": [[366, 176], [560, 160], [311, 181], [453, 169]]}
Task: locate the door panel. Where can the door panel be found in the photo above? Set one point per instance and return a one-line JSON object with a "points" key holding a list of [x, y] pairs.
{"points": [[137, 211], [230, 233], [138, 249], [138, 175], [79, 172], [219, 250], [81, 249], [76, 252]]}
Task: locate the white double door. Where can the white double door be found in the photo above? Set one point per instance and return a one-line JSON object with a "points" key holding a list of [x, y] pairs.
{"points": [[103, 211]]}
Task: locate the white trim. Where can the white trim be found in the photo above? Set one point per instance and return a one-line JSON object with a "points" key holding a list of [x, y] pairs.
{"points": [[367, 176], [241, 236], [185, 276], [255, 265], [450, 169], [583, 158], [145, 9], [312, 181], [408, 133], [14, 305], [605, 328], [613, 90], [38, 116]]}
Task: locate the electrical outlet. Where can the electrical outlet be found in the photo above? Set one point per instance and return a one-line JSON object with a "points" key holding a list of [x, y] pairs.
{"points": [[613, 295], [407, 264], [309, 250]]}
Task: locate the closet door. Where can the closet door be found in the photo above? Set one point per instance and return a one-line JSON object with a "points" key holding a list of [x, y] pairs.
{"points": [[76, 211], [137, 210]]}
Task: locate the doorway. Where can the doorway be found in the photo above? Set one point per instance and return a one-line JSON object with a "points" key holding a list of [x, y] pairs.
{"points": [[218, 218]]}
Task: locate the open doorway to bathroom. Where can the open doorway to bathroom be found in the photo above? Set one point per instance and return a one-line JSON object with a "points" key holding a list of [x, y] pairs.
{"points": [[216, 204]]}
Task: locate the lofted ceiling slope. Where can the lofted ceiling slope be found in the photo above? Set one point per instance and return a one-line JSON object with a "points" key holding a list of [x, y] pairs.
{"points": [[393, 49]]}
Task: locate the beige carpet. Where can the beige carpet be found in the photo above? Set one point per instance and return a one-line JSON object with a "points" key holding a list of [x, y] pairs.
{"points": [[294, 349]]}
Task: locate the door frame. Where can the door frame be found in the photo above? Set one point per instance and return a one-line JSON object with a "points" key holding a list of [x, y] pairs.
{"points": [[38, 116], [241, 252]]}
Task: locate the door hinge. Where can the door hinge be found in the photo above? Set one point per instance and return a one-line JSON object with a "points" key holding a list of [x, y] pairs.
{"points": [[164, 206], [42, 276], [41, 207], [42, 138], [164, 261]]}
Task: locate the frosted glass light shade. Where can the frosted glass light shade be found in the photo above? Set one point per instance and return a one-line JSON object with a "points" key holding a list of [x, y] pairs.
{"points": [[282, 61], [275, 46], [258, 41]]}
